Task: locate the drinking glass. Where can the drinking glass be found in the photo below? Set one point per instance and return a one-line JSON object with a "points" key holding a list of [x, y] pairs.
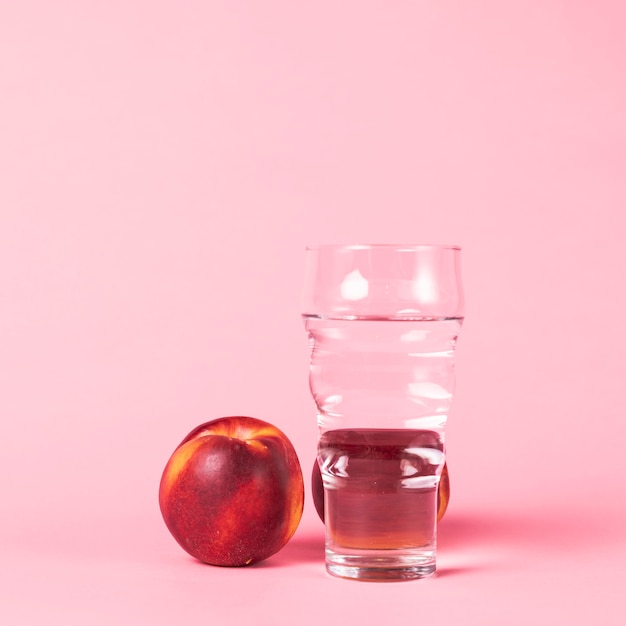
{"points": [[382, 322]]}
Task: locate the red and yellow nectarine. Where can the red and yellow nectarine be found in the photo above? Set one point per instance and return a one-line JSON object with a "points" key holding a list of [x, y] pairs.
{"points": [[317, 489], [232, 492]]}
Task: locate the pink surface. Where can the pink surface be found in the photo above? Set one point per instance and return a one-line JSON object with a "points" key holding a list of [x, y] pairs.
{"points": [[164, 165]]}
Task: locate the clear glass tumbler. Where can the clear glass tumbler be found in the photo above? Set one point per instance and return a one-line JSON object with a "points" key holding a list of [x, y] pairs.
{"points": [[382, 321]]}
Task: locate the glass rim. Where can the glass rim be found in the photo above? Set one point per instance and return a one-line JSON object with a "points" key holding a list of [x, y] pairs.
{"points": [[409, 247]]}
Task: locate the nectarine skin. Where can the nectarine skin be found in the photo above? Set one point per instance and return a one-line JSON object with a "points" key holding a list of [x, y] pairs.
{"points": [[317, 491], [232, 492]]}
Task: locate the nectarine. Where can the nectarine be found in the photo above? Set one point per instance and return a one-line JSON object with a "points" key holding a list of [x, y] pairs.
{"points": [[232, 492], [317, 489]]}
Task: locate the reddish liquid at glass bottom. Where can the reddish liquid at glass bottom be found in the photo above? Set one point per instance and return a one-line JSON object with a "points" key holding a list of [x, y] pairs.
{"points": [[380, 488]]}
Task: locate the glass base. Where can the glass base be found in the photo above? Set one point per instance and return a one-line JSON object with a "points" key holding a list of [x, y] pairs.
{"points": [[374, 565]]}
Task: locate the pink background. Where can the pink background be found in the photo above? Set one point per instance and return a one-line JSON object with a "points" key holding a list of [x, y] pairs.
{"points": [[163, 165]]}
